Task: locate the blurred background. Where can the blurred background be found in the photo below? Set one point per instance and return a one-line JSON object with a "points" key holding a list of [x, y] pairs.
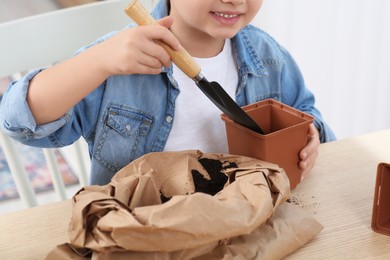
{"points": [[343, 50]]}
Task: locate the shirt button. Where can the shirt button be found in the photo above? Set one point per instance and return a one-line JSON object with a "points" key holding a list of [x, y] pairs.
{"points": [[168, 119], [128, 127]]}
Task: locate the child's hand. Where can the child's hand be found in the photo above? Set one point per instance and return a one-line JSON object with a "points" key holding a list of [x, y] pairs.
{"points": [[135, 51], [309, 153]]}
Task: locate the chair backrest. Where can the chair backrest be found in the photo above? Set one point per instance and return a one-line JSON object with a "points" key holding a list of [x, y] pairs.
{"points": [[51, 37], [45, 39]]}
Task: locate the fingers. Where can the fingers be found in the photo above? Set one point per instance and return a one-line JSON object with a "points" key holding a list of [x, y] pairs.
{"points": [[307, 165], [309, 153], [167, 36], [137, 50], [141, 68], [166, 21], [170, 39], [312, 144], [313, 130], [154, 54]]}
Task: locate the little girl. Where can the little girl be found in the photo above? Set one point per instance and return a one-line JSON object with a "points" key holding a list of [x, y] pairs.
{"points": [[125, 97]]}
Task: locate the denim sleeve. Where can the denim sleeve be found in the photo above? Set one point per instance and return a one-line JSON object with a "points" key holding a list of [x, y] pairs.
{"points": [[16, 119], [297, 95]]}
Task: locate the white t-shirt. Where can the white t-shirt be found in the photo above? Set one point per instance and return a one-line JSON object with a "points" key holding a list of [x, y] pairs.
{"points": [[197, 123]]}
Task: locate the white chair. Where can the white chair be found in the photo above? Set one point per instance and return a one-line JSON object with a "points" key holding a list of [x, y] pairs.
{"points": [[45, 39]]}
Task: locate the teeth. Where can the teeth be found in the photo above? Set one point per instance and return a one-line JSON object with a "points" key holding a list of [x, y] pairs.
{"points": [[226, 15]]}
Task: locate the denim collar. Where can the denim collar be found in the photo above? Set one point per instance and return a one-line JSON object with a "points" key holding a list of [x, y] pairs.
{"points": [[160, 10]]}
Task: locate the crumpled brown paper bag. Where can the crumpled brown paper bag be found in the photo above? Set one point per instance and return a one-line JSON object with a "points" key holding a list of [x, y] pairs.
{"points": [[127, 218]]}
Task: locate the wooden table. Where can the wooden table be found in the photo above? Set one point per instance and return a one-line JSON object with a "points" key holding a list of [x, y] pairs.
{"points": [[339, 192]]}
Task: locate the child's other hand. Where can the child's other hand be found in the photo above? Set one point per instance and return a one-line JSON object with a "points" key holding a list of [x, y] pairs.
{"points": [[135, 51], [309, 153]]}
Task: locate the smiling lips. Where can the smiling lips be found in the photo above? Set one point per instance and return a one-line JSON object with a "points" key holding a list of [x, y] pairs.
{"points": [[227, 18]]}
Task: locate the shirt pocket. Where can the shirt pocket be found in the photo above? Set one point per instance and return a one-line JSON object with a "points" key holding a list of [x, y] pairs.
{"points": [[123, 133]]}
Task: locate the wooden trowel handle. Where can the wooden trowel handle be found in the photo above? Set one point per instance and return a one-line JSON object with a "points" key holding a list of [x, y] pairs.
{"points": [[181, 58]]}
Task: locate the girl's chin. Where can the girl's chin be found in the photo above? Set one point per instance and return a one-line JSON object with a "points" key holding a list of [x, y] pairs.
{"points": [[219, 34], [225, 35]]}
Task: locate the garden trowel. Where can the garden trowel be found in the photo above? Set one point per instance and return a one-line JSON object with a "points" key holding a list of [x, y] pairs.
{"points": [[188, 65]]}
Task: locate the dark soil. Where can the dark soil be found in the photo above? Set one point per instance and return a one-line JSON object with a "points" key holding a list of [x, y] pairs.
{"points": [[217, 179], [293, 200], [164, 198]]}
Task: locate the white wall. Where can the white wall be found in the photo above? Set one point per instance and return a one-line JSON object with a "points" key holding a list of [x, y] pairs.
{"points": [[343, 49]]}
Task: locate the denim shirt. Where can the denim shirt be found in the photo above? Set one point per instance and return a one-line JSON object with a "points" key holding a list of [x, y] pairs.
{"points": [[128, 116]]}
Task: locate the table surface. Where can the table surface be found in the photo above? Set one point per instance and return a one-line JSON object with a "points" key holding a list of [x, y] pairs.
{"points": [[339, 193]]}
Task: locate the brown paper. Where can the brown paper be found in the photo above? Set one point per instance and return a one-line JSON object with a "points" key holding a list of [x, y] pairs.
{"points": [[127, 218]]}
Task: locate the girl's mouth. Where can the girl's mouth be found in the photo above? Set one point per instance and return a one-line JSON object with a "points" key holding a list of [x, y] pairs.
{"points": [[226, 18]]}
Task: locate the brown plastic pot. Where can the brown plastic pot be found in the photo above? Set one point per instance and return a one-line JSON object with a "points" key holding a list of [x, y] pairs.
{"points": [[286, 133], [381, 210]]}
